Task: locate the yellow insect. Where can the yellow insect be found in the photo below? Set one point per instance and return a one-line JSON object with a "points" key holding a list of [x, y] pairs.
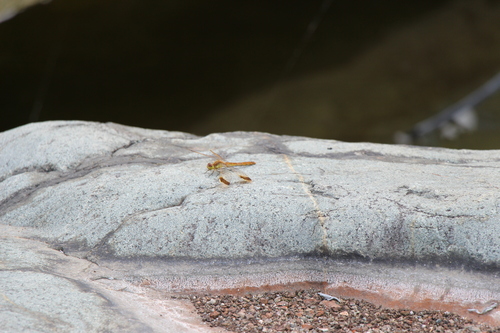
{"points": [[226, 170]]}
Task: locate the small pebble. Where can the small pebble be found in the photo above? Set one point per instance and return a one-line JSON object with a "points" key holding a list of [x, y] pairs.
{"points": [[305, 311]]}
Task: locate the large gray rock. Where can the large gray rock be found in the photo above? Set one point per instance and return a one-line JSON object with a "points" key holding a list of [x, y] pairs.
{"points": [[44, 290], [109, 191], [140, 204]]}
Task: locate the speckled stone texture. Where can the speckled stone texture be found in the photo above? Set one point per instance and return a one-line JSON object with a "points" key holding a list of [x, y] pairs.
{"points": [[138, 207]]}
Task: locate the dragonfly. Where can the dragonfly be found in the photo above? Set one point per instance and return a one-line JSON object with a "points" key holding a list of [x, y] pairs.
{"points": [[225, 169]]}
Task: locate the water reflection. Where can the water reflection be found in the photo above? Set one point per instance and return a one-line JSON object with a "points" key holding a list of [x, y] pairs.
{"points": [[363, 73], [454, 121]]}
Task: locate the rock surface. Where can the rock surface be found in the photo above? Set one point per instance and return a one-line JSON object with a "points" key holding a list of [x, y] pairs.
{"points": [[43, 290], [10, 8], [134, 208]]}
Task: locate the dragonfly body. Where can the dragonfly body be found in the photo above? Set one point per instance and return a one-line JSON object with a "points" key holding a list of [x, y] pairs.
{"points": [[223, 164]]}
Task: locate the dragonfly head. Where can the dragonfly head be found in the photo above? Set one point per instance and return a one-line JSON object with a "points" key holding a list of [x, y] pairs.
{"points": [[215, 165]]}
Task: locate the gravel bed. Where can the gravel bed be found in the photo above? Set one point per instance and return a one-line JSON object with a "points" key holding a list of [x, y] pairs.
{"points": [[306, 311]]}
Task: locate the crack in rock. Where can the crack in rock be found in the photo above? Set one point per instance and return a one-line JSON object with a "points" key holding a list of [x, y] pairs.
{"points": [[86, 167], [99, 247]]}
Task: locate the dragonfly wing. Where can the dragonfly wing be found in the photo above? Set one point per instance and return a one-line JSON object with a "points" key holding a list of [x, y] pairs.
{"points": [[232, 175]]}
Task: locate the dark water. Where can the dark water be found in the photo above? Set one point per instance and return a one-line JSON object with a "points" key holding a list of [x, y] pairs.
{"points": [[196, 66]]}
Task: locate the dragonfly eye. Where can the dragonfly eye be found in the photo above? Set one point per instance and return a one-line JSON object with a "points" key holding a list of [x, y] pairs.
{"points": [[210, 166]]}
